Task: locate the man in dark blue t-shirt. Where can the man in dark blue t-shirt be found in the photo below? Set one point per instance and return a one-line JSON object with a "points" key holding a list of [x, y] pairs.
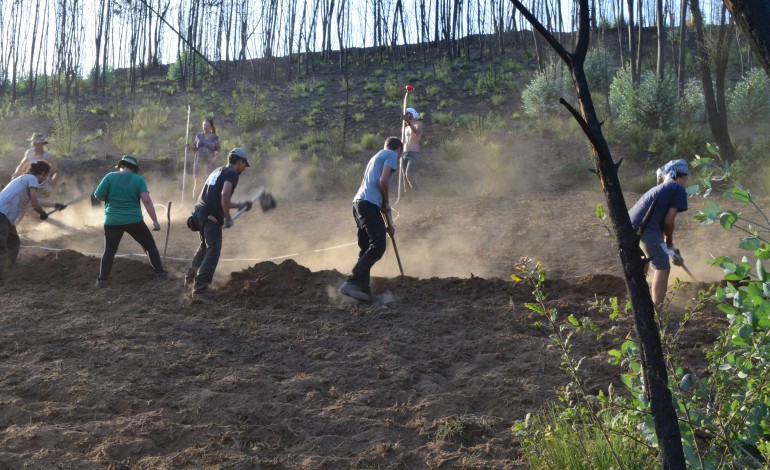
{"points": [[657, 238], [212, 212]]}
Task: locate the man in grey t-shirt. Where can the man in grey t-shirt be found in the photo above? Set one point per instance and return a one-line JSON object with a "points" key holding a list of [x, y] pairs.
{"points": [[371, 209]]}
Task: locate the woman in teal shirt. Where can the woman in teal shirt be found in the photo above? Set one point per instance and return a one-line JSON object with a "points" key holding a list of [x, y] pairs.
{"points": [[121, 191]]}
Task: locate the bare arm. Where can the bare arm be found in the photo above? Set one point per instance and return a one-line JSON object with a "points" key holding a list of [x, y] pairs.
{"points": [[227, 203], [54, 174], [22, 168], [38, 204], [147, 201], [668, 226]]}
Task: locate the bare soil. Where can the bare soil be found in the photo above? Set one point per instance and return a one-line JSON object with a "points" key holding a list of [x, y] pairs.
{"points": [[283, 372]]}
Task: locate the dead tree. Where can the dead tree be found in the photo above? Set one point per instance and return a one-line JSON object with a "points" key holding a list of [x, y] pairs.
{"points": [[653, 362], [753, 18]]}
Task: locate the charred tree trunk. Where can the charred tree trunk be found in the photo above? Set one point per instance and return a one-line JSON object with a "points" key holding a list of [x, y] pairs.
{"points": [[682, 43], [716, 105], [653, 362], [753, 18]]}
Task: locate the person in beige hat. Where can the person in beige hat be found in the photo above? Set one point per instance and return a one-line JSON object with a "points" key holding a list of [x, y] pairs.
{"points": [[38, 153]]}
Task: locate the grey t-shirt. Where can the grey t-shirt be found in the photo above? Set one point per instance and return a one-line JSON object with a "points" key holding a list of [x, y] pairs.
{"points": [[370, 186], [14, 198]]}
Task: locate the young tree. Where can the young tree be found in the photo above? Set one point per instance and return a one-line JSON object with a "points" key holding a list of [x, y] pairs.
{"points": [[653, 363]]}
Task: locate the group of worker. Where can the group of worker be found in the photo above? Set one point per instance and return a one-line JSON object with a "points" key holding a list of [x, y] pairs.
{"points": [[123, 189]]}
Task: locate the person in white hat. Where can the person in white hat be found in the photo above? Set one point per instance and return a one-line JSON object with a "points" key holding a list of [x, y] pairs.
{"points": [[122, 191], [212, 212], [412, 138], [657, 237], [37, 153]]}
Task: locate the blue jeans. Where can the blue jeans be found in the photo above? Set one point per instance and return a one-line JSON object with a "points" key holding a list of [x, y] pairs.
{"points": [[372, 240], [205, 261]]}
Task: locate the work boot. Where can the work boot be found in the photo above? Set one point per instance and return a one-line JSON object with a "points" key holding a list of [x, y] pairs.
{"points": [[100, 283], [205, 294], [351, 289]]}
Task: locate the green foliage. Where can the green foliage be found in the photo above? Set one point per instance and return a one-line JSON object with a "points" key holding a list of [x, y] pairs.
{"points": [[692, 106], [251, 107], [749, 100], [144, 125], [371, 141], [441, 117], [181, 71], [651, 105], [600, 68], [541, 95], [66, 126], [452, 150], [552, 441]]}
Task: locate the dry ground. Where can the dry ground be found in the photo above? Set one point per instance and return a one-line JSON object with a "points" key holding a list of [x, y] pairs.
{"points": [[284, 373]]}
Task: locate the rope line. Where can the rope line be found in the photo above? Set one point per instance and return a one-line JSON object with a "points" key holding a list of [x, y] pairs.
{"points": [[299, 253]]}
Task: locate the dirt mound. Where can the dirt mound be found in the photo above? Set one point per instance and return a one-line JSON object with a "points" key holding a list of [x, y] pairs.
{"points": [[68, 268]]}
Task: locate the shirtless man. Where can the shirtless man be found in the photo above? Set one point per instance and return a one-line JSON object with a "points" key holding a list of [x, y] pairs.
{"points": [[412, 138]]}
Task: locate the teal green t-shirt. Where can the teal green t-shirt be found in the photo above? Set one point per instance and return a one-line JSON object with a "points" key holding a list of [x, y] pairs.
{"points": [[120, 191]]}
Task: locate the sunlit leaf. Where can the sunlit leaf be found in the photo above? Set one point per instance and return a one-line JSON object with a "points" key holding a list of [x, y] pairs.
{"points": [[600, 211], [727, 219]]}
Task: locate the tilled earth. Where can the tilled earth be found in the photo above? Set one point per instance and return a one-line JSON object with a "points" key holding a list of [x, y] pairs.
{"points": [[281, 372]]}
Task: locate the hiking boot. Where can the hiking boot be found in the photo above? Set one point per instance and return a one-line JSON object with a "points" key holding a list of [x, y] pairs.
{"points": [[100, 283], [205, 294], [351, 289]]}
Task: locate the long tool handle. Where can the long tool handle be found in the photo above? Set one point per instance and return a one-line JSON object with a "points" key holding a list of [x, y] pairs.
{"points": [[253, 201], [77, 199], [389, 223], [398, 258], [688, 272], [168, 227]]}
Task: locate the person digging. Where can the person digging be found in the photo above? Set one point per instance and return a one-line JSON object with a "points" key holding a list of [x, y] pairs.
{"points": [[212, 212], [371, 211], [663, 202], [21, 193]]}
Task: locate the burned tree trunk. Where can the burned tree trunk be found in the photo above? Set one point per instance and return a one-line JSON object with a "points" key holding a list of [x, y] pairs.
{"points": [[653, 363]]}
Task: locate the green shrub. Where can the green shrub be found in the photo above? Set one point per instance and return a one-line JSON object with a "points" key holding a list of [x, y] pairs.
{"points": [[441, 117], [749, 100], [452, 150], [600, 68], [652, 105], [542, 94], [181, 70], [692, 107], [371, 141], [251, 107], [66, 126]]}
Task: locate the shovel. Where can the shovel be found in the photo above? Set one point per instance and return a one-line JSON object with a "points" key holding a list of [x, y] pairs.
{"points": [[69, 203]]}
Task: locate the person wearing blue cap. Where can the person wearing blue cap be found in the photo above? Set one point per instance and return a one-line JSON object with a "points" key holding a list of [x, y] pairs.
{"points": [[122, 191], [665, 200], [212, 212]]}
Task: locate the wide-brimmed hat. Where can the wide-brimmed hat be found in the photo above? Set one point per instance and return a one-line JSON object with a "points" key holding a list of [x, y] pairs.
{"points": [[128, 160], [38, 138], [240, 153]]}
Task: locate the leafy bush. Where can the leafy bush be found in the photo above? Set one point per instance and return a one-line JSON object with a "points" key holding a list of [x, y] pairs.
{"points": [[600, 68], [371, 141], [693, 107], [452, 150], [251, 107], [182, 70], [541, 95], [749, 100], [652, 105]]}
